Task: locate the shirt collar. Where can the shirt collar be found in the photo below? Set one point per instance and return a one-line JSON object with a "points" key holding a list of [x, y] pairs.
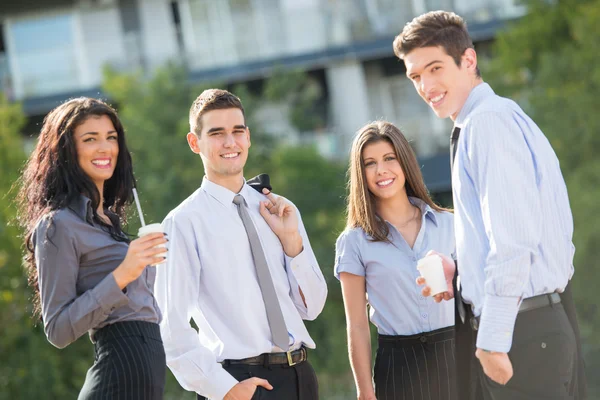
{"points": [[477, 95], [82, 206], [426, 210], [222, 194]]}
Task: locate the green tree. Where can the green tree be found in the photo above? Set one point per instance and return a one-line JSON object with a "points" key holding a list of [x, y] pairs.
{"points": [[30, 367], [548, 61]]}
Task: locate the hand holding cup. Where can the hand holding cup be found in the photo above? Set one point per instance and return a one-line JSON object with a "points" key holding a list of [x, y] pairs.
{"points": [[149, 249], [151, 229], [437, 271]]}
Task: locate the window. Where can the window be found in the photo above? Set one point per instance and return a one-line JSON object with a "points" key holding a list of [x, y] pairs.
{"points": [[227, 32], [43, 55]]}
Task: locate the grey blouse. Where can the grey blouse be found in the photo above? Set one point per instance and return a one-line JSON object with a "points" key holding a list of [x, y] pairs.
{"points": [[75, 258]]}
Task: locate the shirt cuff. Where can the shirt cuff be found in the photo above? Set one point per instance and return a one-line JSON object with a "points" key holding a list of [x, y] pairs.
{"points": [[497, 323], [108, 294], [296, 263], [220, 384]]}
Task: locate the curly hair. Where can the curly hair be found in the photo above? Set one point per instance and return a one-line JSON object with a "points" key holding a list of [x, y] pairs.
{"points": [[52, 177]]}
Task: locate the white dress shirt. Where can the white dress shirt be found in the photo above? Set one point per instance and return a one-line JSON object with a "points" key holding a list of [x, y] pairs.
{"points": [[210, 276]]}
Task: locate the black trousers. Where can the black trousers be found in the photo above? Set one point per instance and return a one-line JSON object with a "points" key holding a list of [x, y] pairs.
{"points": [[416, 367], [129, 364], [298, 382], [544, 357]]}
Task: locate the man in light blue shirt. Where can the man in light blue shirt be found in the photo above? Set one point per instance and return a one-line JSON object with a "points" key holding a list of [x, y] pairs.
{"points": [[513, 225]]}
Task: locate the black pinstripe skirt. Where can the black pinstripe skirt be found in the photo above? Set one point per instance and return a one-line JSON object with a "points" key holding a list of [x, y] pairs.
{"points": [[419, 367], [129, 364]]}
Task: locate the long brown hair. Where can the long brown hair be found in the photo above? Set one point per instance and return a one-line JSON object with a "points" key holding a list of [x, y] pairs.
{"points": [[361, 212], [53, 178]]}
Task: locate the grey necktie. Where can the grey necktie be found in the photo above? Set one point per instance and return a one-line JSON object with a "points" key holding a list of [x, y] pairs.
{"points": [[274, 315]]}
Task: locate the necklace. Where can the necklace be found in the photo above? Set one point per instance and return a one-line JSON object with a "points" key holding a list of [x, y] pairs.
{"points": [[415, 213]]}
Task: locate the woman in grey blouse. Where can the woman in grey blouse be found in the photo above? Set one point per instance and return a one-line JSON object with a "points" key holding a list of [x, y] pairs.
{"points": [[86, 273], [392, 222]]}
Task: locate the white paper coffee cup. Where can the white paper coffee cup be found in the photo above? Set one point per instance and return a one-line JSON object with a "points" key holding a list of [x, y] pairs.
{"points": [[153, 228], [432, 270]]}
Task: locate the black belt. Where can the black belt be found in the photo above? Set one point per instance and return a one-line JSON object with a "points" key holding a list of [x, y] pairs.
{"points": [[401, 341], [528, 304], [289, 358]]}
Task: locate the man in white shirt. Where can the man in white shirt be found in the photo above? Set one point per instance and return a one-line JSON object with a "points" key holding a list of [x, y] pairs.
{"points": [[242, 267]]}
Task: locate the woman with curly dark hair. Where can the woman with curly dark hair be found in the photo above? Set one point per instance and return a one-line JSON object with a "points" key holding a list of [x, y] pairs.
{"points": [[88, 276]]}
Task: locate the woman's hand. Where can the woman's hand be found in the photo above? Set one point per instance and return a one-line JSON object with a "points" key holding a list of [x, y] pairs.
{"points": [[141, 253], [370, 396], [449, 269]]}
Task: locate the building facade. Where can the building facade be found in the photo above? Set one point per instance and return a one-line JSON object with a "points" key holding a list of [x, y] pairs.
{"points": [[55, 49]]}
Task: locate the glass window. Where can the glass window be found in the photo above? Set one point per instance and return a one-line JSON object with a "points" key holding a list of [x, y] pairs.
{"points": [[44, 52]]}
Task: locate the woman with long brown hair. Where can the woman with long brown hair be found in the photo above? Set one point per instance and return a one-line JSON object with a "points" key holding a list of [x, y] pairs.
{"points": [[391, 223], [88, 276]]}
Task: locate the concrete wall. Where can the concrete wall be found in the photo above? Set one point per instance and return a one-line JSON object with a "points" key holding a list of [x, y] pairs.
{"points": [[348, 97]]}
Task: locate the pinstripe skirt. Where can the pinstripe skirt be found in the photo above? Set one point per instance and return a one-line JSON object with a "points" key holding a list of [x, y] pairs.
{"points": [[419, 367], [129, 363]]}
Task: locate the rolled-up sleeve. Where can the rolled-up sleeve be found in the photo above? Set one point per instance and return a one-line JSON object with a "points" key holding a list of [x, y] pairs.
{"points": [[67, 315], [347, 255]]}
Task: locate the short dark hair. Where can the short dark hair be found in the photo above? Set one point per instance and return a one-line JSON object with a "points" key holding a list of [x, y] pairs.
{"points": [[212, 99], [435, 28]]}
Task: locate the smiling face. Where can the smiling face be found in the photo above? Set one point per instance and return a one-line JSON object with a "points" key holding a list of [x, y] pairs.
{"points": [[443, 85], [223, 145], [97, 148], [383, 173]]}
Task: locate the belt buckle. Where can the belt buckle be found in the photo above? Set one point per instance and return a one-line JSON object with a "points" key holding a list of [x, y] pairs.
{"points": [[289, 358]]}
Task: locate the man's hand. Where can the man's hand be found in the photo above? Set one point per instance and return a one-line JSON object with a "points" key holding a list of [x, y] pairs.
{"points": [[496, 366], [449, 270], [244, 390], [281, 217]]}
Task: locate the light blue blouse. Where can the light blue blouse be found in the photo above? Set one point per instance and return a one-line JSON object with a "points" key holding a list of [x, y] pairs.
{"points": [[396, 304]]}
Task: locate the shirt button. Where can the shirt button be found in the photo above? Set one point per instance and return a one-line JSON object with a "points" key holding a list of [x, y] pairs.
{"points": [[424, 315]]}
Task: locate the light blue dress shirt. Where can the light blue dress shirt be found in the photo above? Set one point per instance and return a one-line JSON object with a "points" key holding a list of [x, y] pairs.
{"points": [[513, 221], [390, 270]]}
